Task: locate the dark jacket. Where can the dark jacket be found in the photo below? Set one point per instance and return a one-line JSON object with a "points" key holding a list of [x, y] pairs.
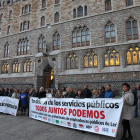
{"points": [[79, 96], [42, 94], [87, 93], [34, 94], [70, 95], [6, 93], [102, 94]]}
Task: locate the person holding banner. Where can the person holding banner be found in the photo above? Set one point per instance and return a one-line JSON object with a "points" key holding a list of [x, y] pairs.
{"points": [[23, 98], [128, 111]]}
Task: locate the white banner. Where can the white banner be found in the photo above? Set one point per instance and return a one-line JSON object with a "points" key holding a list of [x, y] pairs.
{"points": [[9, 105], [100, 116]]}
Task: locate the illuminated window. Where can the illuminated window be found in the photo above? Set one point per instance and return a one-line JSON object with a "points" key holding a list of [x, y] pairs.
{"points": [[107, 5], [56, 41], [112, 58], [5, 68], [41, 43], [131, 29], [110, 33], [6, 50], [23, 47], [129, 2], [81, 37], [133, 56], [16, 67], [90, 60], [43, 3], [56, 17], [72, 62], [28, 66]]}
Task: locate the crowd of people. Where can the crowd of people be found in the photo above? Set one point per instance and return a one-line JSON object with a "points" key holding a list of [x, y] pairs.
{"points": [[131, 99]]}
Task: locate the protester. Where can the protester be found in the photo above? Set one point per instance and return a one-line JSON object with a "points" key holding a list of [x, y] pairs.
{"points": [[96, 93], [58, 94], [10, 92], [136, 93], [54, 92], [23, 98], [86, 92], [70, 93], [128, 110], [64, 92], [109, 92], [15, 94], [48, 95], [6, 92], [101, 92], [80, 94], [75, 93], [42, 93]]}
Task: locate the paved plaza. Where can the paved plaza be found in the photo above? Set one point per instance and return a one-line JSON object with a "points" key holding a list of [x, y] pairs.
{"points": [[23, 128]]}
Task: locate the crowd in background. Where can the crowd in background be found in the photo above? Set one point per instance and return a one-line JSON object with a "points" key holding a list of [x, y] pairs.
{"points": [[131, 99]]}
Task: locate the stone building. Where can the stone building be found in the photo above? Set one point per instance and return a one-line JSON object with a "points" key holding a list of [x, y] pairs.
{"points": [[54, 43]]}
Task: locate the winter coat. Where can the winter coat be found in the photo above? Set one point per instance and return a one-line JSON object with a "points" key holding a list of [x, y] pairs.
{"points": [[48, 95], [95, 96], [128, 108], [109, 94], [15, 95], [70, 95], [42, 94], [79, 96], [102, 94], [6, 93], [87, 93]]}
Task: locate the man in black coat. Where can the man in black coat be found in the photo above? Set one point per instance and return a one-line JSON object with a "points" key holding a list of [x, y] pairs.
{"points": [[86, 92], [42, 93], [6, 93], [101, 92]]}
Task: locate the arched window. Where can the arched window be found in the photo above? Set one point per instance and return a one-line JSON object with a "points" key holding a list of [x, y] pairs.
{"points": [[74, 13], [6, 50], [30, 8], [28, 24], [26, 9], [10, 14], [16, 67], [107, 5], [22, 10], [110, 33], [56, 18], [72, 62], [56, 41], [81, 37], [86, 11], [129, 2], [21, 27], [133, 56], [43, 21], [24, 25], [28, 66], [8, 30], [112, 58], [41, 43], [57, 1], [90, 60], [5, 68], [43, 3], [1, 17], [23, 47], [131, 29], [80, 11]]}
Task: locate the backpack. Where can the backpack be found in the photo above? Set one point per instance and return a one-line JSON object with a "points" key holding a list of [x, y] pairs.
{"points": [[135, 97]]}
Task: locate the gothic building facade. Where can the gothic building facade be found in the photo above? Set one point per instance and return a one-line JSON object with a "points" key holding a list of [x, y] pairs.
{"points": [[54, 43]]}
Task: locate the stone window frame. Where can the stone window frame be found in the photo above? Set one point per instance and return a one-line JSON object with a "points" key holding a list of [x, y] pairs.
{"points": [[42, 24], [5, 68], [111, 53], [57, 39], [106, 5], [28, 65], [23, 47], [84, 12], [43, 3], [110, 31], [75, 36], [16, 67], [22, 26], [132, 51], [131, 20], [8, 30], [56, 17], [93, 55], [73, 58], [41, 43], [129, 4], [10, 14], [24, 12], [6, 50], [1, 17]]}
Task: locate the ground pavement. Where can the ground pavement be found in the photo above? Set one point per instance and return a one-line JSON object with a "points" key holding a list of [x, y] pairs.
{"points": [[23, 128]]}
